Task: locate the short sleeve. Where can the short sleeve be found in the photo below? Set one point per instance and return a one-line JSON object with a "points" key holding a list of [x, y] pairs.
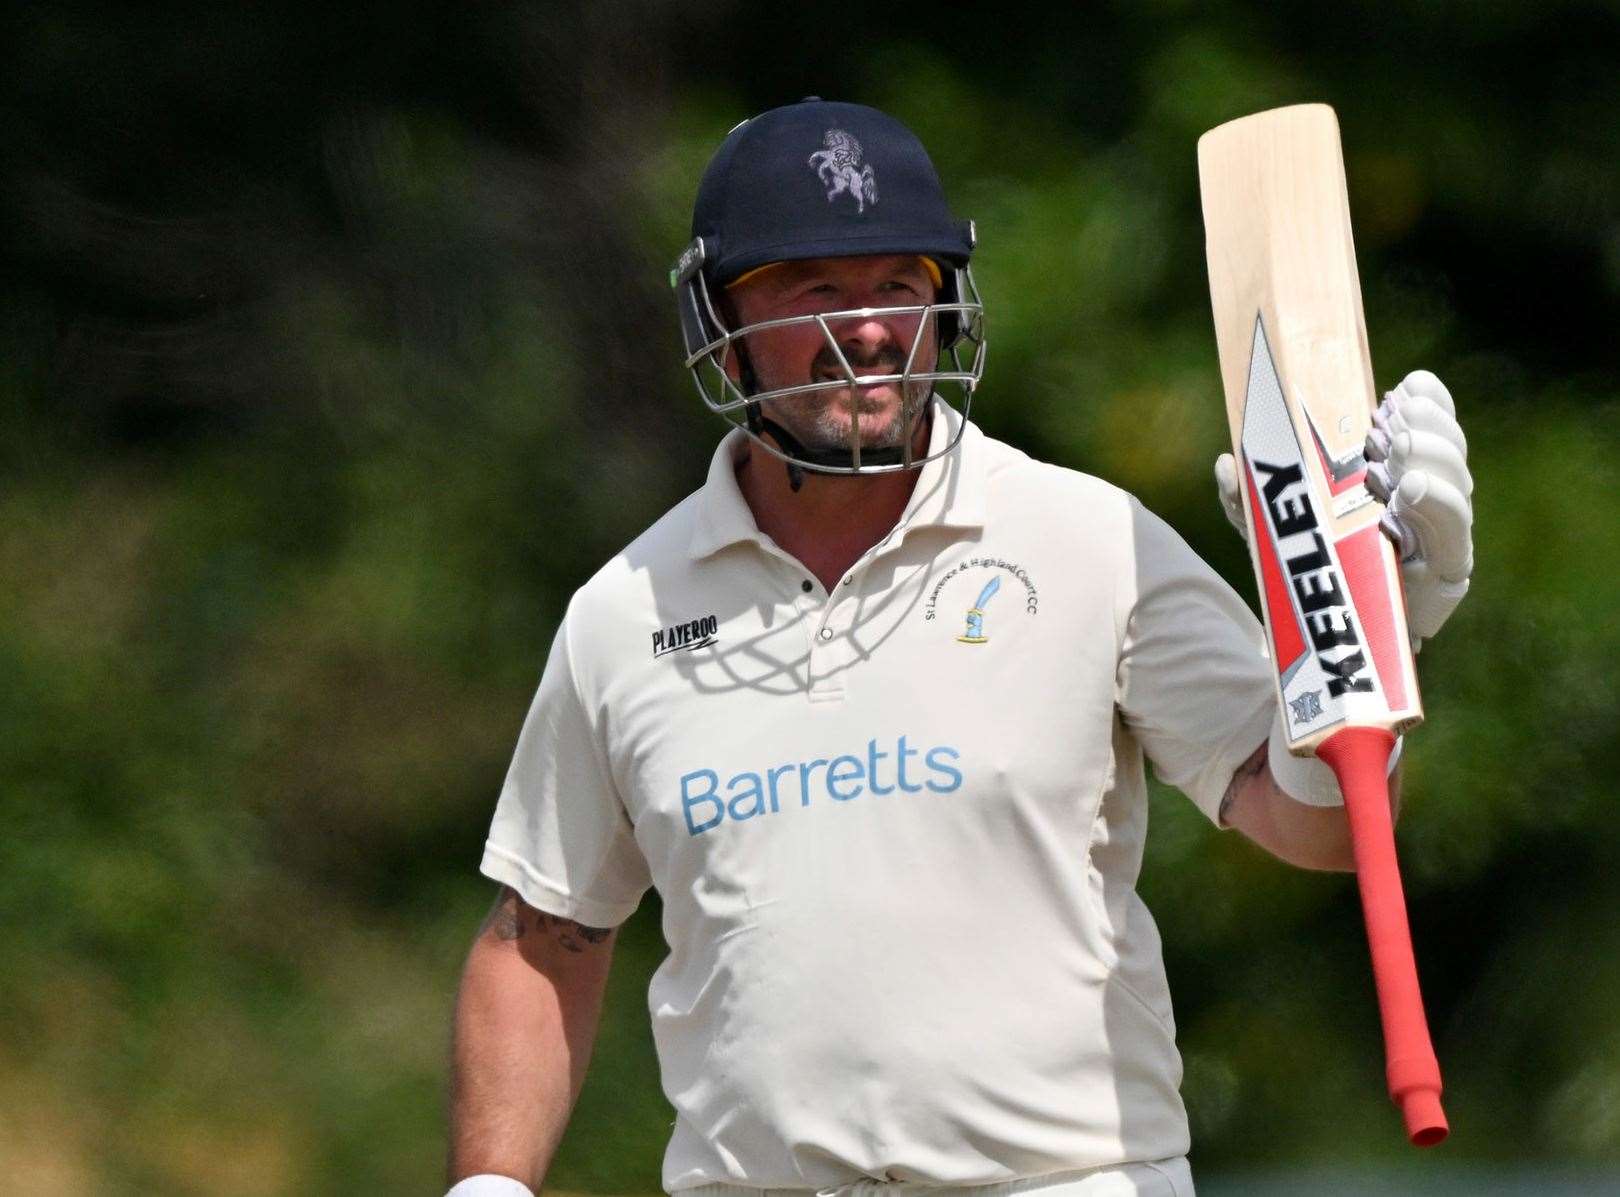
{"points": [[561, 837], [1193, 683]]}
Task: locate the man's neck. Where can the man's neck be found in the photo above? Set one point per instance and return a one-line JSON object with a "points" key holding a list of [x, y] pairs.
{"points": [[832, 519]]}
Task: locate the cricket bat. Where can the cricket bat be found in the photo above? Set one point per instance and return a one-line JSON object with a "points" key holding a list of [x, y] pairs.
{"points": [[1299, 400]]}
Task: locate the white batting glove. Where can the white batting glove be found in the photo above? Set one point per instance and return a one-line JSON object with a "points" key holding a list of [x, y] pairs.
{"points": [[1417, 466], [1226, 483]]}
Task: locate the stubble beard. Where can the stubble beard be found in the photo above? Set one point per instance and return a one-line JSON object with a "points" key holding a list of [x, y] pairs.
{"points": [[883, 423], [820, 420]]}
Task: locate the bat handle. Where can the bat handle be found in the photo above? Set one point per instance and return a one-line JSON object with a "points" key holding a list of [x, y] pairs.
{"points": [[1359, 758]]}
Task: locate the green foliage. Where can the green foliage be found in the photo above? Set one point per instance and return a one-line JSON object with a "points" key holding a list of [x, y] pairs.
{"points": [[335, 353]]}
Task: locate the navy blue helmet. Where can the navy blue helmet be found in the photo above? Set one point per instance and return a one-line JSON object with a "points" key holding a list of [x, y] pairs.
{"points": [[819, 179]]}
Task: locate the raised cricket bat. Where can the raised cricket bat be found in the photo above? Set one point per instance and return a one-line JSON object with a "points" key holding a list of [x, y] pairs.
{"points": [[1299, 398]]}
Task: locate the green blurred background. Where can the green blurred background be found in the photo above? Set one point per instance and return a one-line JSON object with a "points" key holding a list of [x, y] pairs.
{"points": [[335, 352]]}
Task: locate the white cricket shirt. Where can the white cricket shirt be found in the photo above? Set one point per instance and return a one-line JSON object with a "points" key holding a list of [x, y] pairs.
{"points": [[896, 827]]}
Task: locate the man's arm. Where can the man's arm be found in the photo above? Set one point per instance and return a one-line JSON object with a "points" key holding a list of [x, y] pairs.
{"points": [[1312, 837], [525, 1020]]}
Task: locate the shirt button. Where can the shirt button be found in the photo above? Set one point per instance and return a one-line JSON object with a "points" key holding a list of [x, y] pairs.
{"points": [[826, 633], [807, 586], [849, 581]]}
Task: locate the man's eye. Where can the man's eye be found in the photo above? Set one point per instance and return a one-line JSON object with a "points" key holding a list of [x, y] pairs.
{"points": [[899, 285]]}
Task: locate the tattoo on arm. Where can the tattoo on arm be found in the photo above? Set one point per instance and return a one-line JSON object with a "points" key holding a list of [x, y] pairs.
{"points": [[1246, 772], [506, 916], [511, 918], [576, 937]]}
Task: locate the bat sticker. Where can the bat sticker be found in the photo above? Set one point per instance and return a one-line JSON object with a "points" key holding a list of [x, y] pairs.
{"points": [[1316, 645]]}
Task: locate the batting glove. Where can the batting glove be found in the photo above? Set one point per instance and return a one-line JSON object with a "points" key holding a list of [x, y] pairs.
{"points": [[1417, 466]]}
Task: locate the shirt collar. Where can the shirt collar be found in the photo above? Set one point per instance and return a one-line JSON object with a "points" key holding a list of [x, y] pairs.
{"points": [[949, 491]]}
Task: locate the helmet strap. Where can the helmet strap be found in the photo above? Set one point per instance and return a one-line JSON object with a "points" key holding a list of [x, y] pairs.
{"points": [[759, 425]]}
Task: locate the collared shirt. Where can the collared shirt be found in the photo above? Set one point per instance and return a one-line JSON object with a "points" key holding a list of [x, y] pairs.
{"points": [[896, 826]]}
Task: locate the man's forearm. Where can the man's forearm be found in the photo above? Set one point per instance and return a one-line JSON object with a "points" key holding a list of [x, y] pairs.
{"points": [[525, 1020], [1303, 834]]}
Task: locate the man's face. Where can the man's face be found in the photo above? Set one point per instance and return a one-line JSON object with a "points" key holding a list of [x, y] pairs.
{"points": [[875, 344]]}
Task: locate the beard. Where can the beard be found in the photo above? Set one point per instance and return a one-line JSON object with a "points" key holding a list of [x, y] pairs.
{"points": [[826, 424], [821, 420]]}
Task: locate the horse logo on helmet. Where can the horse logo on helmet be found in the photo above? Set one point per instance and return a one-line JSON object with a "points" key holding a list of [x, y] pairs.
{"points": [[839, 167]]}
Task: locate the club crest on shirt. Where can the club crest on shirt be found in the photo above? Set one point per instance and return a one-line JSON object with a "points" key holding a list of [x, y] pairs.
{"points": [[975, 614], [975, 626]]}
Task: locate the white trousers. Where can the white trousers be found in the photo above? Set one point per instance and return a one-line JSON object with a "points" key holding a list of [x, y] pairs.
{"points": [[1157, 1178]]}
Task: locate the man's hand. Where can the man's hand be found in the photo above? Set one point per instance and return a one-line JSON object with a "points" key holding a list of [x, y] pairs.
{"points": [[1418, 468]]}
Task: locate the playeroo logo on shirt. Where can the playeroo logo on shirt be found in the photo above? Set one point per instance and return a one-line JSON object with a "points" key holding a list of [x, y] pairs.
{"points": [[694, 633], [706, 802]]}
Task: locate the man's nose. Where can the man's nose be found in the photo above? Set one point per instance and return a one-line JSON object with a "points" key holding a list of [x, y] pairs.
{"points": [[865, 336]]}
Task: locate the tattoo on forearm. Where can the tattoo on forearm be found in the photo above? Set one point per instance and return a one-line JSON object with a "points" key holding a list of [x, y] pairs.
{"points": [[511, 919], [1247, 770]]}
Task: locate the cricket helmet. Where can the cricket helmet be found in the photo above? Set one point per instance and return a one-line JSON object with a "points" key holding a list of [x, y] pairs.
{"points": [[819, 179]]}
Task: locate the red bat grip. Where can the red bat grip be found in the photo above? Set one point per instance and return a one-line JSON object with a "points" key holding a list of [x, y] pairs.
{"points": [[1359, 758]]}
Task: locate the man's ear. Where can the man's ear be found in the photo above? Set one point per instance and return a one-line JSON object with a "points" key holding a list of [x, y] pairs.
{"points": [[725, 306]]}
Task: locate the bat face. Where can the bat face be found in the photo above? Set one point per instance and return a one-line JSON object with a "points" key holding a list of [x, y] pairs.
{"points": [[1298, 381], [1326, 596]]}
